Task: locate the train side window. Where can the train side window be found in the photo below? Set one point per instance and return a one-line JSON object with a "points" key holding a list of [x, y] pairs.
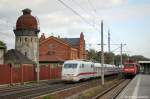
{"points": [[82, 65], [92, 66]]}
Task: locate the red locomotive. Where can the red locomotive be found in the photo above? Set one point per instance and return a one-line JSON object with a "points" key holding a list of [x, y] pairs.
{"points": [[130, 68]]}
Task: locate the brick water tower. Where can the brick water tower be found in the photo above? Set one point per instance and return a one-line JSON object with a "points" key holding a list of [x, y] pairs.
{"points": [[26, 33]]}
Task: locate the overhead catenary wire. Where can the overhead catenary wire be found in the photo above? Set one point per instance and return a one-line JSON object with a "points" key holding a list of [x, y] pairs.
{"points": [[85, 10], [75, 12], [94, 10], [92, 6]]}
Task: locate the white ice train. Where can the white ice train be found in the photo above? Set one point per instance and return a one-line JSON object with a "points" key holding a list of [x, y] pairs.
{"points": [[75, 70]]}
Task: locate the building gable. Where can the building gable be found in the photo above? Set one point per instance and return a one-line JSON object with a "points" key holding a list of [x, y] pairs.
{"points": [[55, 39], [53, 49]]}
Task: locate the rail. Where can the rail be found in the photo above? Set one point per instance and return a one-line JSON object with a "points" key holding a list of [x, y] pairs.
{"points": [[114, 91]]}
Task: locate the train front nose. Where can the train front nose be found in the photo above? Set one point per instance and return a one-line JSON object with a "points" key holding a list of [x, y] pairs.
{"points": [[68, 74]]}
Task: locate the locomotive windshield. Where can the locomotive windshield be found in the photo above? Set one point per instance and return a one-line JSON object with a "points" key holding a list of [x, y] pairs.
{"points": [[129, 65], [70, 65]]}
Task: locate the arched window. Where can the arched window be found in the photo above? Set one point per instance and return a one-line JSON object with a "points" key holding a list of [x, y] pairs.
{"points": [[20, 39], [17, 39], [25, 53], [31, 39], [26, 39]]}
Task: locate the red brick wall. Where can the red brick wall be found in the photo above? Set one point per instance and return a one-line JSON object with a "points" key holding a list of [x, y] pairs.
{"points": [[52, 49], [74, 54]]}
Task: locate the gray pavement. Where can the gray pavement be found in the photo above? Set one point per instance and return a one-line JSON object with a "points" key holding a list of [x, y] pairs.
{"points": [[138, 88]]}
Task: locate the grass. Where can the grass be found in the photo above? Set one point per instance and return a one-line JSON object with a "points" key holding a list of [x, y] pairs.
{"points": [[48, 97]]}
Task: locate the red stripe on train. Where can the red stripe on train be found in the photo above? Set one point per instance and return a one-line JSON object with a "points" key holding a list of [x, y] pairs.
{"points": [[86, 73]]}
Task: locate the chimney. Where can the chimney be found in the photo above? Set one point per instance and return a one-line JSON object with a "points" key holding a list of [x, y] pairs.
{"points": [[81, 36], [42, 38], [58, 36]]}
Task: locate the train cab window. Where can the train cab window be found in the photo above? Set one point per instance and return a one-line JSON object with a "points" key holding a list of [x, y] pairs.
{"points": [[129, 65], [70, 65]]}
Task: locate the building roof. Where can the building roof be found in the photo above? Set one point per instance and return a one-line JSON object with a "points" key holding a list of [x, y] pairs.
{"points": [[72, 41], [144, 62], [17, 57]]}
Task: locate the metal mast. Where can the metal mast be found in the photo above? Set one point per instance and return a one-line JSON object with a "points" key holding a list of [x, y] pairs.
{"points": [[102, 54], [108, 41], [121, 54]]}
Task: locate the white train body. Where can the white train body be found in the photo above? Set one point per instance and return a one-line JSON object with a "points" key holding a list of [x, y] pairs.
{"points": [[75, 70]]}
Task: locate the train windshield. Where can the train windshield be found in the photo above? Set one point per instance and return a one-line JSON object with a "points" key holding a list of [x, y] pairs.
{"points": [[70, 65], [129, 65]]}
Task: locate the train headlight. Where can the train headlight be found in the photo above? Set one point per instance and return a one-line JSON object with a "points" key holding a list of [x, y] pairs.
{"points": [[132, 69], [125, 69]]}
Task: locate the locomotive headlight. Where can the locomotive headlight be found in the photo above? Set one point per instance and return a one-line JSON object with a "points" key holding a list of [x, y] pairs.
{"points": [[132, 69], [126, 69]]}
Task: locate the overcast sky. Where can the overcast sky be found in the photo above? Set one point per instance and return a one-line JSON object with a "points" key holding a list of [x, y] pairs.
{"points": [[127, 20]]}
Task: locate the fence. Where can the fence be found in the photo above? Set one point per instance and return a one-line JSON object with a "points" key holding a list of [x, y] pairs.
{"points": [[50, 72], [25, 73]]}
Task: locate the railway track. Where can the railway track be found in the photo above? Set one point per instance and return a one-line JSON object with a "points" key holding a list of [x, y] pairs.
{"points": [[24, 93], [113, 91], [27, 92], [27, 86]]}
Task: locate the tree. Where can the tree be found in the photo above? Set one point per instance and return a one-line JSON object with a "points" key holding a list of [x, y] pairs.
{"points": [[109, 58], [118, 59], [96, 56], [92, 55], [2, 44]]}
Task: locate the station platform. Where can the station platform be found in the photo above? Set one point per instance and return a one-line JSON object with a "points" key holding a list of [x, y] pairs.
{"points": [[138, 88]]}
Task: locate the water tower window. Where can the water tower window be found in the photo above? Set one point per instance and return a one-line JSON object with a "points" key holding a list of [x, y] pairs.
{"points": [[26, 39], [17, 39], [25, 53], [20, 39], [31, 39]]}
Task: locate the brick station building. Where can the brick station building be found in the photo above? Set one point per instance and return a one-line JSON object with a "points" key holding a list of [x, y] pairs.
{"points": [[57, 50]]}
